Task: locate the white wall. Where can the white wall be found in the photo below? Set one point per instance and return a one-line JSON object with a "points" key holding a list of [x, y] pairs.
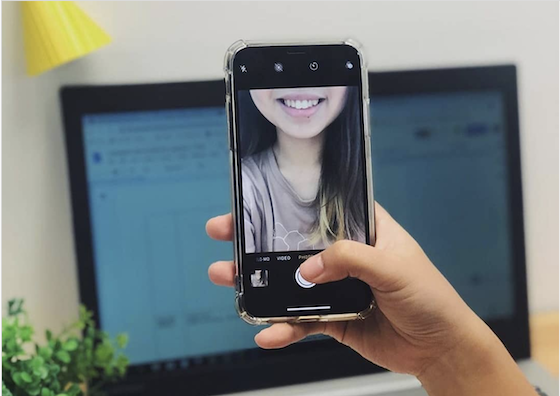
{"points": [[186, 41]]}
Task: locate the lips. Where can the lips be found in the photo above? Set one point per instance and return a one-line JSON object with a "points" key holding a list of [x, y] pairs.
{"points": [[301, 106]]}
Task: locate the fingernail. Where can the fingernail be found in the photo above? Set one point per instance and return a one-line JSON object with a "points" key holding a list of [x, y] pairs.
{"points": [[312, 268]]}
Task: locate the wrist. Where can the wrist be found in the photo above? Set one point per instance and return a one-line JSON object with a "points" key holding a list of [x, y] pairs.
{"points": [[479, 364], [473, 349]]}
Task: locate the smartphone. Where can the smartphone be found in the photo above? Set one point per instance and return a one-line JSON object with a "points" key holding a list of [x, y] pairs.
{"points": [[299, 139]]}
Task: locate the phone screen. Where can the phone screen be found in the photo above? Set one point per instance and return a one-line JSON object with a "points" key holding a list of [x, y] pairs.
{"points": [[301, 182]]}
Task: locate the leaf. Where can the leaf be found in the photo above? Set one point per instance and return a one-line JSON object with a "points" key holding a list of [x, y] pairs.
{"points": [[70, 345], [34, 390], [86, 317], [104, 353], [46, 392], [25, 333], [45, 352], [55, 369], [48, 333], [15, 307], [36, 362], [62, 394], [63, 356], [41, 372], [26, 377], [122, 340], [8, 331], [11, 345], [121, 364], [17, 378]]}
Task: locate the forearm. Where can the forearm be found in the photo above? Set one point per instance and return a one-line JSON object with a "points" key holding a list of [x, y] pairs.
{"points": [[479, 366]]}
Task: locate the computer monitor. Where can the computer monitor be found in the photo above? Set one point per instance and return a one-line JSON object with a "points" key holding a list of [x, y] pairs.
{"points": [[149, 164]]}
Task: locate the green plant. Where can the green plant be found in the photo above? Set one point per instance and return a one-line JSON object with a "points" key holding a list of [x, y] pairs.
{"points": [[78, 361]]}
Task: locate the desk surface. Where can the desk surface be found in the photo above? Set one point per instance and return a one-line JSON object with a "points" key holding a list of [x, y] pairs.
{"points": [[544, 340]]}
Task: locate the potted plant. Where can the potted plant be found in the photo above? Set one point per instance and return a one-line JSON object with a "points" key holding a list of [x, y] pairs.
{"points": [[77, 361]]}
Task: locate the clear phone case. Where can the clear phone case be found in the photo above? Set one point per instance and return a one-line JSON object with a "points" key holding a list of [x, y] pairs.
{"points": [[237, 211]]}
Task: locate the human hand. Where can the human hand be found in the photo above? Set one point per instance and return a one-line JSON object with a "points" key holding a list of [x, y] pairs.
{"points": [[420, 322]]}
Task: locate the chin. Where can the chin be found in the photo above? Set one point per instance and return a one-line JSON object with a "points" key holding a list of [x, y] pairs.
{"points": [[303, 134], [301, 131]]}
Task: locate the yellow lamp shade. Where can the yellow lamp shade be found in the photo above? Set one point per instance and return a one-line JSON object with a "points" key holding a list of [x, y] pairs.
{"points": [[56, 32]]}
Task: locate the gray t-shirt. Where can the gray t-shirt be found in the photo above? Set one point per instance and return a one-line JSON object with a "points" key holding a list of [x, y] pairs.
{"points": [[276, 218]]}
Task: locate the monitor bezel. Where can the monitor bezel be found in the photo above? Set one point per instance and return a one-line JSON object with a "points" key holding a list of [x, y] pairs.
{"points": [[298, 363]]}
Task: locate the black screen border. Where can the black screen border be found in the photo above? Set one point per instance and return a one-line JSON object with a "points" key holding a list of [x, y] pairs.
{"points": [[298, 363]]}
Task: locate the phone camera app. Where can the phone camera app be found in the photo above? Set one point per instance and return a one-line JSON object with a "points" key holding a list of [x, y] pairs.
{"points": [[281, 220], [313, 66]]}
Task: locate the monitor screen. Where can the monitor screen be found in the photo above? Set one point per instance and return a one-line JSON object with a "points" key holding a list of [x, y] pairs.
{"points": [[155, 177], [440, 168]]}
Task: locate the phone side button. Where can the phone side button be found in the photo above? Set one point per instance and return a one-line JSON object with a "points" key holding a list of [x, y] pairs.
{"points": [[226, 81], [237, 283], [229, 115]]}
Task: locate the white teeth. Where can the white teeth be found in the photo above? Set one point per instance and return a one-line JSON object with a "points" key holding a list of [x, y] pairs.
{"points": [[301, 104]]}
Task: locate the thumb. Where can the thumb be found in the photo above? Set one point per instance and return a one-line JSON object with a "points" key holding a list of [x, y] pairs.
{"points": [[378, 268]]}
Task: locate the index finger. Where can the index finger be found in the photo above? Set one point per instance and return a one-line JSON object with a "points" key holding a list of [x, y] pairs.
{"points": [[220, 227]]}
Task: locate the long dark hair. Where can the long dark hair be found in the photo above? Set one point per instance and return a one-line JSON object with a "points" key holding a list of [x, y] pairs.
{"points": [[340, 200]]}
